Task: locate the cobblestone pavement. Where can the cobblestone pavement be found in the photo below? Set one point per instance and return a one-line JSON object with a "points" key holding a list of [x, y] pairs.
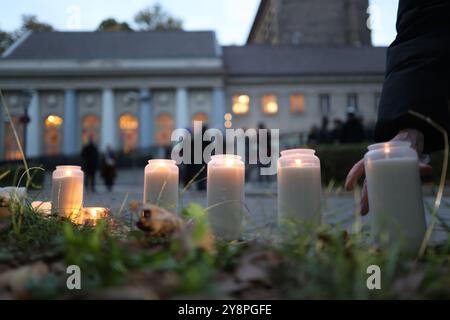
{"points": [[338, 207]]}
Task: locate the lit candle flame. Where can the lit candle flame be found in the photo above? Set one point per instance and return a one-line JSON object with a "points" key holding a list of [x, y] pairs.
{"points": [[68, 173], [387, 149], [298, 162], [229, 162]]}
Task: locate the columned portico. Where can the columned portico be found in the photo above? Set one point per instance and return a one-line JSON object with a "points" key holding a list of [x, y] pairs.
{"points": [[109, 122], [146, 119], [181, 109], [218, 111], [33, 136], [2, 130], [70, 123]]}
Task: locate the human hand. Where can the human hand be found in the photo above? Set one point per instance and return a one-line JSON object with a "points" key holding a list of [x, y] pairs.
{"points": [[357, 171]]}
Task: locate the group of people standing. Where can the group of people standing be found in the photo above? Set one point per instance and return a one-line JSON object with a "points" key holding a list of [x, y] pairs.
{"points": [[91, 159], [350, 131]]}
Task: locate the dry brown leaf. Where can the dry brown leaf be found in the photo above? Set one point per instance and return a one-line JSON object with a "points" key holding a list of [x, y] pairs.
{"points": [[16, 280], [158, 222]]}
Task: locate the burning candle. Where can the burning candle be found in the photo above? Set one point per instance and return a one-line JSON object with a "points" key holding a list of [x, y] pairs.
{"points": [[44, 207], [395, 194], [225, 195], [161, 184], [90, 215], [299, 186], [67, 190]]}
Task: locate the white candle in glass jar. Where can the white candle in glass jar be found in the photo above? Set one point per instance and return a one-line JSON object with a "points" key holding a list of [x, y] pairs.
{"points": [[67, 190], [395, 194], [161, 184], [299, 186], [225, 195]]}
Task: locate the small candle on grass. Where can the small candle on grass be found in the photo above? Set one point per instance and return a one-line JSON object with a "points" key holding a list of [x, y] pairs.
{"points": [[67, 190], [44, 207]]}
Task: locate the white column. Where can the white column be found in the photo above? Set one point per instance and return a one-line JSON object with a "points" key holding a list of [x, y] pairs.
{"points": [[181, 109], [2, 130], [109, 122], [70, 123], [33, 136], [218, 111], [146, 121]]}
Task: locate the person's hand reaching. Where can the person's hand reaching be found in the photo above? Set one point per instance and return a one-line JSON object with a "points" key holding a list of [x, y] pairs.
{"points": [[357, 171]]}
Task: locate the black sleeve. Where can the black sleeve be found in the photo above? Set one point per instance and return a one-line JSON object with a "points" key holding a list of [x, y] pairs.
{"points": [[417, 72]]}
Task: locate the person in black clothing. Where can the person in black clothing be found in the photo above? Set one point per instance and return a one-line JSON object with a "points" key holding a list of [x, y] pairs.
{"points": [[89, 156], [352, 130], [108, 168], [417, 79]]}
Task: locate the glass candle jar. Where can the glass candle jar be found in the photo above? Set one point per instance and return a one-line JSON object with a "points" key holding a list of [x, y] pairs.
{"points": [[67, 190], [299, 186], [225, 195], [395, 194], [161, 184]]}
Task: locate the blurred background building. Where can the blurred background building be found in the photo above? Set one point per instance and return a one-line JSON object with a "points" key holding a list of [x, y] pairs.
{"points": [[305, 62]]}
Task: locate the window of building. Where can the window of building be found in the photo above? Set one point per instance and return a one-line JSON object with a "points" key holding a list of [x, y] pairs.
{"points": [[297, 103], [269, 104], [129, 134], [324, 104], [200, 116], [53, 135], [241, 104], [164, 127], [11, 148], [352, 101], [90, 129]]}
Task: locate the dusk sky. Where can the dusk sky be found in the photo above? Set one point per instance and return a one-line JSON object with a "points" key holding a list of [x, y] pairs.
{"points": [[231, 19]]}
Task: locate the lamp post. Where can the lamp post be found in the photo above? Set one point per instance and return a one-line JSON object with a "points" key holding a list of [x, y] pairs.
{"points": [[25, 119]]}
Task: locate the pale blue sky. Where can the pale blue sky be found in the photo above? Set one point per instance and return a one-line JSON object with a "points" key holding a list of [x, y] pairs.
{"points": [[231, 19]]}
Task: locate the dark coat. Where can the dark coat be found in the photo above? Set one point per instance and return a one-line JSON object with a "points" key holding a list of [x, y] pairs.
{"points": [[417, 72], [90, 157]]}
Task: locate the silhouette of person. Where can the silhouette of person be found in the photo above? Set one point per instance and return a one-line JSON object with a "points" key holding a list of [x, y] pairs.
{"points": [[89, 156]]}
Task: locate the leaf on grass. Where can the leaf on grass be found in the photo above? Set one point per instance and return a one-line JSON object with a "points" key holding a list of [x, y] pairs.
{"points": [[16, 280]]}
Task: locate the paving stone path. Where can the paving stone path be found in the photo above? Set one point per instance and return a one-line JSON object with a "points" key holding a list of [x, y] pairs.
{"points": [[338, 207]]}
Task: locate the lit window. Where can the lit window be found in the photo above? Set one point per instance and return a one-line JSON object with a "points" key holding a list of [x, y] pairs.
{"points": [[297, 103], [53, 121], [269, 104], [11, 149], [164, 127], [91, 129], [241, 104], [52, 135], [129, 134]]}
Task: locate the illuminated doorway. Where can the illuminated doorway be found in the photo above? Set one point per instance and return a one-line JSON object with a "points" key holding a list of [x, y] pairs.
{"points": [[90, 129], [11, 151], [200, 116], [164, 127], [129, 134], [52, 135]]}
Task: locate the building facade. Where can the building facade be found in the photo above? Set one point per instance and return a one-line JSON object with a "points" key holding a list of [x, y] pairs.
{"points": [[325, 23], [130, 90]]}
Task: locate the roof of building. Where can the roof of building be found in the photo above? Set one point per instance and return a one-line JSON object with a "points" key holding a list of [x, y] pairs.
{"points": [[116, 45], [260, 60], [262, 6]]}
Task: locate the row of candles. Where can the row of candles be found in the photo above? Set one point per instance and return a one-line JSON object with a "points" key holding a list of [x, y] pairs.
{"points": [[392, 176]]}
